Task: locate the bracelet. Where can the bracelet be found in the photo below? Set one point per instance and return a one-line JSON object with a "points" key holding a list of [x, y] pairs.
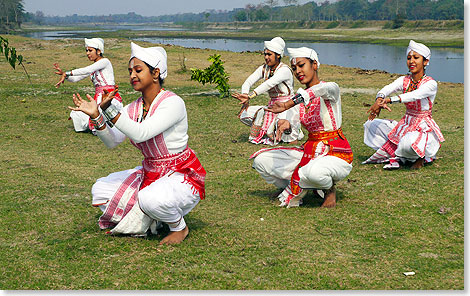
{"points": [[297, 99], [380, 95], [395, 99], [252, 95], [98, 122], [68, 74], [110, 112]]}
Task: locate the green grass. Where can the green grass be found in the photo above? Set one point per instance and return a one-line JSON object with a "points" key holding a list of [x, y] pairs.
{"points": [[385, 222]]}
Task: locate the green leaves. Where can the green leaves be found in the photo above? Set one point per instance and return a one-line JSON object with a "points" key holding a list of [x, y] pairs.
{"points": [[10, 53], [215, 73]]}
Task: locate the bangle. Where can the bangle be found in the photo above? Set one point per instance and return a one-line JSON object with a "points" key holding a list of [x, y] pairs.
{"points": [[395, 99], [110, 112], [297, 99], [380, 95], [98, 122], [252, 95]]}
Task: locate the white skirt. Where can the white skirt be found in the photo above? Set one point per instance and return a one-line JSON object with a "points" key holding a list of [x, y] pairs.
{"points": [[376, 134], [167, 199]]}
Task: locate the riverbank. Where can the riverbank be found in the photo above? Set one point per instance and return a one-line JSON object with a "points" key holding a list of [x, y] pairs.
{"points": [[432, 33], [386, 222]]}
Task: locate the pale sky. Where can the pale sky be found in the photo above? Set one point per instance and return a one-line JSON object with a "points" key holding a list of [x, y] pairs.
{"points": [[142, 7]]}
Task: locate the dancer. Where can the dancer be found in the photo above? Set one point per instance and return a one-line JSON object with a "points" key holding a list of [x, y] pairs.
{"points": [[267, 127], [170, 182], [326, 157], [416, 137], [102, 76]]}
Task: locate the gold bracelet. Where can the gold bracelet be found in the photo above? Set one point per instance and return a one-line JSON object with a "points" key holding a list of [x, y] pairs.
{"points": [[252, 95]]}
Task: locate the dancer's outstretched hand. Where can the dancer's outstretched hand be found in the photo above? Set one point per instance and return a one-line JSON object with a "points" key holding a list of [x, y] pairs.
{"points": [[277, 107], [243, 98], [89, 107], [59, 72]]}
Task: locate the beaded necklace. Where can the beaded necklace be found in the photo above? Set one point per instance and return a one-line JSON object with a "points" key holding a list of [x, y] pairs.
{"points": [[414, 85], [145, 111]]}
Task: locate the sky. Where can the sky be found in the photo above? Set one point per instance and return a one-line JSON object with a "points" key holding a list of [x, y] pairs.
{"points": [[142, 7]]}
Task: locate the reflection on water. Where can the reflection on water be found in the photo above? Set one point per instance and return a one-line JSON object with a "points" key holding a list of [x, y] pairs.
{"points": [[445, 64]]}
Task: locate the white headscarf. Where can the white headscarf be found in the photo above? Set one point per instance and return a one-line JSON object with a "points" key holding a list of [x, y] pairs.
{"points": [[153, 56], [97, 43], [419, 48], [276, 45], [303, 52]]}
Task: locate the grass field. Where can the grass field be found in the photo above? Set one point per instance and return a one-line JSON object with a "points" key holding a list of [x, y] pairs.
{"points": [[385, 223]]}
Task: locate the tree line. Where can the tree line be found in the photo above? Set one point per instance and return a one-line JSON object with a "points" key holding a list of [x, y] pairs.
{"points": [[12, 13]]}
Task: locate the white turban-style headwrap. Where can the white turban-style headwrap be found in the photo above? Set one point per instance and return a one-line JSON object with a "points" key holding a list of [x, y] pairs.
{"points": [[276, 45], [303, 52], [97, 43], [153, 56], [419, 48]]}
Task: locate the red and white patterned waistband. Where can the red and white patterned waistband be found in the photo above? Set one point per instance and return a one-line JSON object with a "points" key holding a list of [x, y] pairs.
{"points": [[415, 113], [151, 163]]}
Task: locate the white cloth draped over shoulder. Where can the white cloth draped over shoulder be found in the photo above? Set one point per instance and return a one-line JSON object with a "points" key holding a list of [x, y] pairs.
{"points": [[279, 86], [416, 135]]}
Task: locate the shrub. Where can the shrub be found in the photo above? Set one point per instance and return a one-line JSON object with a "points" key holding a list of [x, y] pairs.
{"points": [[215, 73]]}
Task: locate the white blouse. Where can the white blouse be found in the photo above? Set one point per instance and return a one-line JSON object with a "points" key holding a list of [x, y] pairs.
{"points": [[101, 72], [426, 90], [281, 74], [169, 118]]}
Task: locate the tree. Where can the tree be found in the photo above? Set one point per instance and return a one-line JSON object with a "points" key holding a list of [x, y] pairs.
{"points": [[271, 4], [11, 14]]}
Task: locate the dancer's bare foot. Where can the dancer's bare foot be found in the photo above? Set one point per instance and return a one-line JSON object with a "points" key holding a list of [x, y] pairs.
{"points": [[417, 164], [330, 198], [175, 237]]}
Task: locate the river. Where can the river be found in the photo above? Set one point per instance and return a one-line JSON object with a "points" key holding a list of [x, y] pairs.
{"points": [[446, 64]]}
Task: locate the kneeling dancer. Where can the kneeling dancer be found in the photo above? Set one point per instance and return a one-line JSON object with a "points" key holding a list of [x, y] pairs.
{"points": [[266, 127], [416, 137], [326, 157], [170, 182]]}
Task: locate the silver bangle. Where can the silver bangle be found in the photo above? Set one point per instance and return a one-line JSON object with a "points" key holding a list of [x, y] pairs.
{"points": [[98, 122], [380, 95], [110, 112], [395, 99]]}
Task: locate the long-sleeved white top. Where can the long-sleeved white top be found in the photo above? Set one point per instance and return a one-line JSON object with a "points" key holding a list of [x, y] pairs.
{"points": [[169, 119], [324, 107], [426, 90], [101, 72], [278, 85]]}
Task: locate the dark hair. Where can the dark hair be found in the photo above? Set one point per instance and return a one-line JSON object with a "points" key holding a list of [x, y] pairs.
{"points": [[160, 80]]}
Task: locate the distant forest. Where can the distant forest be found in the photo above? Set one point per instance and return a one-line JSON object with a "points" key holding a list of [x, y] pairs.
{"points": [[12, 13]]}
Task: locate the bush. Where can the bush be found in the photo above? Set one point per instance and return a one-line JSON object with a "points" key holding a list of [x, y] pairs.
{"points": [[332, 25], [215, 73]]}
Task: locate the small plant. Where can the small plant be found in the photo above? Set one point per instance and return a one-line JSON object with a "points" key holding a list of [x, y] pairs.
{"points": [[215, 73], [11, 56], [183, 68]]}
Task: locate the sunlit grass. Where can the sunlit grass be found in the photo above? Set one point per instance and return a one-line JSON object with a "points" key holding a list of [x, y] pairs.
{"points": [[386, 223]]}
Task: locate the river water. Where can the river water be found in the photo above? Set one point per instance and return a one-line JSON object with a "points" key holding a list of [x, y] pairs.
{"points": [[446, 64]]}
